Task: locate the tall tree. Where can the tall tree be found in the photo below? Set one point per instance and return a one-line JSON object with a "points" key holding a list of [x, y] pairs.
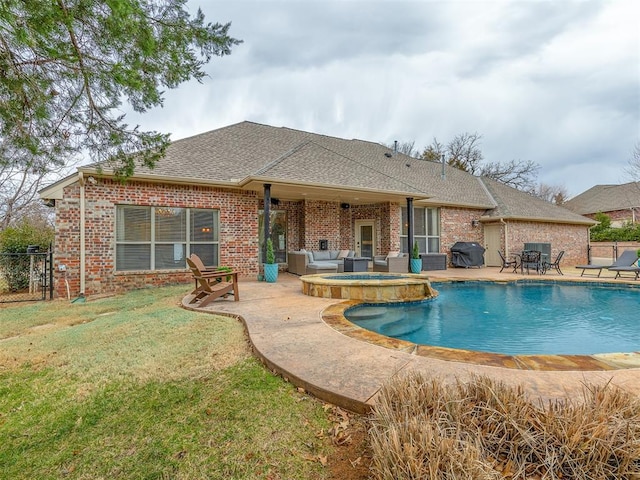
{"points": [[67, 65]]}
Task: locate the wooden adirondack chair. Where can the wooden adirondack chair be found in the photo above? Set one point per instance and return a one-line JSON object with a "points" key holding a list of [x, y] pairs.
{"points": [[211, 285]]}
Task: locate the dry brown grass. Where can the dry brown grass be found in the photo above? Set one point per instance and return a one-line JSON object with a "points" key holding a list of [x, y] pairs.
{"points": [[424, 428]]}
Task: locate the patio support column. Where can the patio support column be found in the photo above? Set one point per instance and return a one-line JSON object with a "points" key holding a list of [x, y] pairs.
{"points": [[409, 228], [267, 217]]}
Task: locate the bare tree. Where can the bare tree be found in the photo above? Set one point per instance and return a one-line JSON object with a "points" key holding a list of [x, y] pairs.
{"points": [[551, 193], [20, 180], [633, 167], [518, 174], [406, 148], [464, 152]]}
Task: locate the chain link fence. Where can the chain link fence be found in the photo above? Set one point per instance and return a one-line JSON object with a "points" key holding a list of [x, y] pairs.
{"points": [[26, 276]]}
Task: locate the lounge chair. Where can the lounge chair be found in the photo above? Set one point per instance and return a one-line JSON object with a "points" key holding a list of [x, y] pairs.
{"points": [[555, 264], [204, 270], [633, 268], [211, 285], [511, 264], [627, 259]]}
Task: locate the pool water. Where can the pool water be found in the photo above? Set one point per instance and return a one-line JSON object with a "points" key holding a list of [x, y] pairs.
{"points": [[514, 319]]}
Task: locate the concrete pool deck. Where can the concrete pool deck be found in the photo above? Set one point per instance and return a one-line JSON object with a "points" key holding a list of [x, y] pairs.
{"points": [[287, 331]]}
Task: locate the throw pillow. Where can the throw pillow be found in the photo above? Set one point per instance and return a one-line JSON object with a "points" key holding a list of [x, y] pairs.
{"points": [[392, 255], [343, 254]]}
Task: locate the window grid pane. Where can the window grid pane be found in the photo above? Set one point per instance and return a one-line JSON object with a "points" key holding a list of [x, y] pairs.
{"points": [[426, 230], [133, 224], [175, 234], [170, 225]]}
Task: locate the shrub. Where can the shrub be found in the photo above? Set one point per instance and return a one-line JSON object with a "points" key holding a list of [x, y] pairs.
{"points": [[482, 429], [416, 251], [271, 257], [604, 232]]}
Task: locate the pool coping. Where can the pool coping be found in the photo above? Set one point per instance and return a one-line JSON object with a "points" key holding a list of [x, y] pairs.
{"points": [[333, 316]]}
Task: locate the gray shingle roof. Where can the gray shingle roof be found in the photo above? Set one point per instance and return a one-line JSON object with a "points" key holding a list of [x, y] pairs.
{"points": [[606, 198], [514, 204], [247, 150]]}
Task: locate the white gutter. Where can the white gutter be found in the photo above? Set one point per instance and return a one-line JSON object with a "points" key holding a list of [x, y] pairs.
{"points": [[82, 235], [506, 238]]}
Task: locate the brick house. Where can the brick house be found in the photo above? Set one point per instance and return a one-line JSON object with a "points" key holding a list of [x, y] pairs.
{"points": [[207, 196], [620, 202]]}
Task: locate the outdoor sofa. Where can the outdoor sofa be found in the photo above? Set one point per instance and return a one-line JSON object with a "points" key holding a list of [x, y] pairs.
{"points": [[306, 262]]}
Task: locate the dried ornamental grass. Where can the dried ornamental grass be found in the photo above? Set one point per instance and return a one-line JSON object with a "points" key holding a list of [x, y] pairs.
{"points": [[424, 428]]}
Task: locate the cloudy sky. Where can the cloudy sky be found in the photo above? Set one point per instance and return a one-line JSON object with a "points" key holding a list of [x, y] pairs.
{"points": [[554, 82]]}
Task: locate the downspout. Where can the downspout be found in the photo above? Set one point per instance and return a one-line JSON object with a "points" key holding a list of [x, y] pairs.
{"points": [[82, 237], [506, 238]]}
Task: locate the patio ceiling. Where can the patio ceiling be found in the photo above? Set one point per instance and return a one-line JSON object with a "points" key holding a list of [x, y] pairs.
{"points": [[328, 193]]}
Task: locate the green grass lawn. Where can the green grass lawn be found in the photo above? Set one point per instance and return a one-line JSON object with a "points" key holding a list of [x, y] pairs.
{"points": [[136, 387]]}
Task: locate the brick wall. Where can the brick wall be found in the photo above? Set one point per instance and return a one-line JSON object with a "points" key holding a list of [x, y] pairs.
{"points": [[238, 232], [321, 222], [455, 226], [573, 239]]}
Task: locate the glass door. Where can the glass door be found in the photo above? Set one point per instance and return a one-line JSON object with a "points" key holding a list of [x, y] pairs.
{"points": [[365, 238]]}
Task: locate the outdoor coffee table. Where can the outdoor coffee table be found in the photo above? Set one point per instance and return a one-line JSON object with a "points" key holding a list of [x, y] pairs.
{"points": [[356, 264]]}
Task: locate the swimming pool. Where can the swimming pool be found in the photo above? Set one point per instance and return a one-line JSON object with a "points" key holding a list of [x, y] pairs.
{"points": [[518, 318]]}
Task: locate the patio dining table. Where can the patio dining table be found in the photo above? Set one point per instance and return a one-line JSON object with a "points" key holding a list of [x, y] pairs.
{"points": [[531, 259]]}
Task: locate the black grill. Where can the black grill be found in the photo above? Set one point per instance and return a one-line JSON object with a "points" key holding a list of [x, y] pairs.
{"points": [[467, 254]]}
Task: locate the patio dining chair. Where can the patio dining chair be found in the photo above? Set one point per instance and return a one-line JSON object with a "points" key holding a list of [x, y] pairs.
{"points": [[531, 259], [555, 264], [510, 264]]}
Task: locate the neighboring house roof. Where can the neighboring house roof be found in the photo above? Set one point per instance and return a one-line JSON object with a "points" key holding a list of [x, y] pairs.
{"points": [[606, 198], [247, 155]]}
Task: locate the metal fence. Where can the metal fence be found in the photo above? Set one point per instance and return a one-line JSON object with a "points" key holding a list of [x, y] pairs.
{"points": [[608, 252], [26, 276]]}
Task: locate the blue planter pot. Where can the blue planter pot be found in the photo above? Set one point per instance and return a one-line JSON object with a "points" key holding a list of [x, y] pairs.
{"points": [[270, 272], [416, 265]]}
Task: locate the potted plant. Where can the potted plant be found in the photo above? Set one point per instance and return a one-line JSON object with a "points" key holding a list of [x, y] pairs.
{"points": [[416, 261], [638, 254], [270, 267]]}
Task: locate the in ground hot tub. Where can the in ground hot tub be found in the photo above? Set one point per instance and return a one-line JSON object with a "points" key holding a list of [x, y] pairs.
{"points": [[372, 287]]}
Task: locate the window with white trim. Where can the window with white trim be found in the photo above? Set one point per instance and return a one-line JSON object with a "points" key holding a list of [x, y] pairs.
{"points": [[426, 229], [161, 238]]}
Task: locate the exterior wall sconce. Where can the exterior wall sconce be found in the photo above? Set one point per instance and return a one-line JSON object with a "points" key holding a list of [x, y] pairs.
{"points": [[475, 223]]}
